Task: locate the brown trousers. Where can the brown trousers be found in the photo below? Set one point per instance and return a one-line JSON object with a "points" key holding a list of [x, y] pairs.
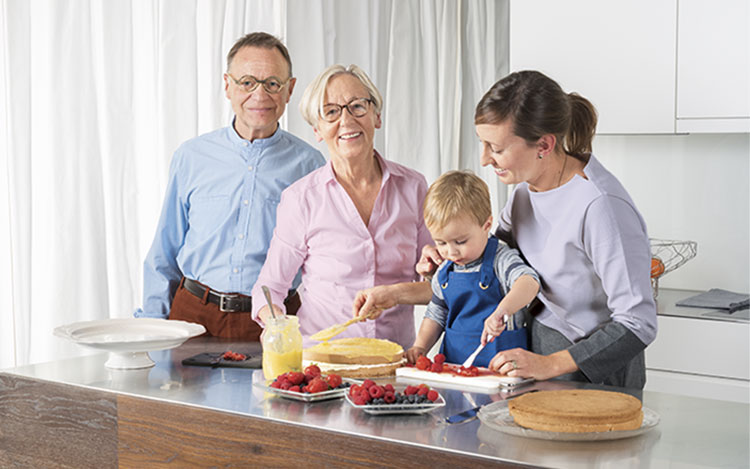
{"points": [[190, 308]]}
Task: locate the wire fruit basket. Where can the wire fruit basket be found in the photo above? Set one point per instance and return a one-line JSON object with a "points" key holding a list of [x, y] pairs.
{"points": [[667, 255]]}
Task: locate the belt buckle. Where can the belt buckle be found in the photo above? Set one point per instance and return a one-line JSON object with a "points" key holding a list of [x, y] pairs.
{"points": [[222, 305]]}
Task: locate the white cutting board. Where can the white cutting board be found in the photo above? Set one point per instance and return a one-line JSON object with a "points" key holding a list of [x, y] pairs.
{"points": [[487, 383]]}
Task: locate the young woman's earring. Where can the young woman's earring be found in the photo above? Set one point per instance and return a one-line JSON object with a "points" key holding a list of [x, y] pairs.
{"points": [[540, 156]]}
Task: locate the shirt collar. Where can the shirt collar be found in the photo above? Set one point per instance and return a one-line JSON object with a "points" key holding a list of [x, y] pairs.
{"points": [[258, 142], [385, 167]]}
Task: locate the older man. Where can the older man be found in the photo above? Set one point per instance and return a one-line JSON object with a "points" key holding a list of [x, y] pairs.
{"points": [[220, 206]]}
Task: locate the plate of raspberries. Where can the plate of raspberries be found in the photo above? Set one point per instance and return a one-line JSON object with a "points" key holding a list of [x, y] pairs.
{"points": [[309, 386], [383, 400]]}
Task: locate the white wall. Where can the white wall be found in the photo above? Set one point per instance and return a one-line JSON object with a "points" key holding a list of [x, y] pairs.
{"points": [[690, 187]]}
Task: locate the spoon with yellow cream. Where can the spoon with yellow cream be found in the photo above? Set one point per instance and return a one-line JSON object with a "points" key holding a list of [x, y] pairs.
{"points": [[330, 332]]}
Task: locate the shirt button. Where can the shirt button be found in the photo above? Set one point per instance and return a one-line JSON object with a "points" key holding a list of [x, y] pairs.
{"points": [[242, 236], [246, 202], [235, 270], [250, 168]]}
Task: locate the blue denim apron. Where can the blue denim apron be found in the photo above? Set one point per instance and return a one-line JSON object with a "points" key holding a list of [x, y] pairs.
{"points": [[471, 298]]}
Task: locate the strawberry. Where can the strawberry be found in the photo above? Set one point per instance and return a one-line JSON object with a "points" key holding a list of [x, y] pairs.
{"points": [[359, 400], [436, 367], [423, 391], [276, 384], [295, 377], [354, 390], [317, 385], [433, 395], [312, 371], [285, 385], [334, 381], [439, 358], [423, 363], [295, 388], [410, 390]]}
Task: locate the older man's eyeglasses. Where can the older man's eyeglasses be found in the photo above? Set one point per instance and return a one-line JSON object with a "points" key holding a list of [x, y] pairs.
{"points": [[357, 107], [249, 83]]}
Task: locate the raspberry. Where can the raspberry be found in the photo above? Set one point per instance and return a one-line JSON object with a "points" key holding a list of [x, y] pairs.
{"points": [[295, 388], [295, 377], [317, 385], [389, 388], [364, 395], [437, 367], [432, 395], [376, 391], [389, 397], [367, 383], [439, 358], [334, 381], [423, 391], [423, 363]]}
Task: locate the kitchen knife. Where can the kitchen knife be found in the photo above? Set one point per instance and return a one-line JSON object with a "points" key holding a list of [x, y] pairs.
{"points": [[465, 416]]}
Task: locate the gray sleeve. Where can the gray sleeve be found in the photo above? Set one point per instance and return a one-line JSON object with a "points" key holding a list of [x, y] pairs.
{"points": [[606, 351], [437, 310], [509, 266]]}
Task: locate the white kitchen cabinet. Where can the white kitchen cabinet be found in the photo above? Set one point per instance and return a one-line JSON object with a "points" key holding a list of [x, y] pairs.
{"points": [[697, 355], [665, 67], [619, 55], [713, 66]]}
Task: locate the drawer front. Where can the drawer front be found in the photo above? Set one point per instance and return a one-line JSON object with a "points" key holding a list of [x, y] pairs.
{"points": [[699, 346]]}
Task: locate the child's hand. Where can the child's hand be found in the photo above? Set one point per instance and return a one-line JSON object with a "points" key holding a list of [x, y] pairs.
{"points": [[493, 326], [413, 353]]}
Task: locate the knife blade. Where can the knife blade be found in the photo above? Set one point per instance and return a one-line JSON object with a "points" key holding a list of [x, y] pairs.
{"points": [[465, 416]]}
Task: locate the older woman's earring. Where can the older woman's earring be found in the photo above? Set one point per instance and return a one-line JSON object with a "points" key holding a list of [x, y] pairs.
{"points": [[540, 156]]}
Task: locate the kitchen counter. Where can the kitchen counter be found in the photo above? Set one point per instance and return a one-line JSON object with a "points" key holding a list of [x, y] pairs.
{"points": [[77, 413], [667, 300]]}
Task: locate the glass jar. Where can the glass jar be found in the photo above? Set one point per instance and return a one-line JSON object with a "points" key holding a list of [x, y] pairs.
{"points": [[282, 346]]}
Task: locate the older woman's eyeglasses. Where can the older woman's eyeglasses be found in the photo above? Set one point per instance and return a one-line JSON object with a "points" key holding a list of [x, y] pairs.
{"points": [[357, 107], [249, 83]]}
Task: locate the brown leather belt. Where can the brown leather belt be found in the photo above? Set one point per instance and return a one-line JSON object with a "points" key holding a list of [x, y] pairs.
{"points": [[227, 302]]}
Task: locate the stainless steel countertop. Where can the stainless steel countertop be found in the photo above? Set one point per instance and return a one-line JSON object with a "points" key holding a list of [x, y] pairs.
{"points": [[666, 306], [692, 433]]}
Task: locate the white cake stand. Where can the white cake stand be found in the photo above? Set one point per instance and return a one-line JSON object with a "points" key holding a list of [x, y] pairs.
{"points": [[128, 340]]}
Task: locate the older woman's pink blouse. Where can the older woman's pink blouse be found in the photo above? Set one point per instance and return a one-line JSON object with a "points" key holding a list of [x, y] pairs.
{"points": [[319, 230]]}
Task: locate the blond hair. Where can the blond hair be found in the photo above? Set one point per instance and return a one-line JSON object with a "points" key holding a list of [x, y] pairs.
{"points": [[312, 99], [456, 194]]}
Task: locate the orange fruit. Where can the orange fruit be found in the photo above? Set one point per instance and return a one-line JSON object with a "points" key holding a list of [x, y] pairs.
{"points": [[657, 267]]}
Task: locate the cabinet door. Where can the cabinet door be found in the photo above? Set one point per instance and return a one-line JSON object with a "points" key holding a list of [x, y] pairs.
{"points": [[713, 66], [618, 54]]}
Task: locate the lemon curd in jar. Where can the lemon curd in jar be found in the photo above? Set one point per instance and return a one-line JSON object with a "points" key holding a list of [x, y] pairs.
{"points": [[282, 346]]}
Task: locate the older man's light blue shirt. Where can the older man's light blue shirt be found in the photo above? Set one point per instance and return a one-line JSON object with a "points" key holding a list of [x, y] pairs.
{"points": [[220, 211]]}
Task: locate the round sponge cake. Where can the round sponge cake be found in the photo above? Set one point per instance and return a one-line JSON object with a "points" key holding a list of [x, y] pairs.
{"points": [[577, 411], [356, 357]]}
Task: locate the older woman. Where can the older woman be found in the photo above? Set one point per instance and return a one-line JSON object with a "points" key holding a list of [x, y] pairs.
{"points": [[352, 224], [576, 226]]}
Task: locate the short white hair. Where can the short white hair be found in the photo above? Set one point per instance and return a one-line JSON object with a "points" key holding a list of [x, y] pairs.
{"points": [[312, 99]]}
